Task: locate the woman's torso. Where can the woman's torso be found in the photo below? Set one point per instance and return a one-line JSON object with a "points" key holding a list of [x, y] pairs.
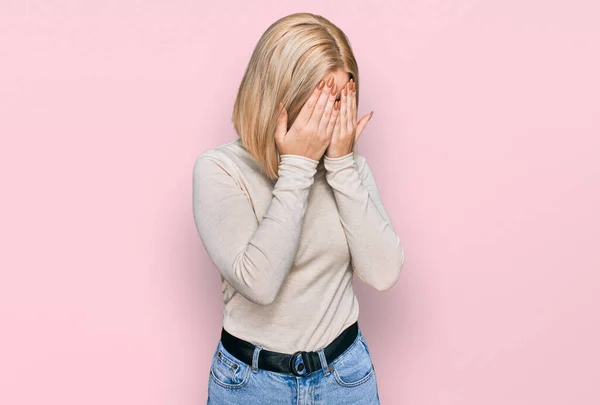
{"points": [[316, 301]]}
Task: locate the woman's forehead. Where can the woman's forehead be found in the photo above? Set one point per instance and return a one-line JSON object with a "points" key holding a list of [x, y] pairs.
{"points": [[340, 77]]}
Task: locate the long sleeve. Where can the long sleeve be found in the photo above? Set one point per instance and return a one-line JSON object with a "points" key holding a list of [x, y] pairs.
{"points": [[376, 251], [253, 257]]}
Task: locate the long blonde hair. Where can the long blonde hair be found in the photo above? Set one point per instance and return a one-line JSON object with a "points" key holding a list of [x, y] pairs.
{"points": [[290, 58]]}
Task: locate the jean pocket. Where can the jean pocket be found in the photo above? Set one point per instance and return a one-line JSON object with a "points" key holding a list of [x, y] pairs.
{"points": [[228, 371], [354, 366]]}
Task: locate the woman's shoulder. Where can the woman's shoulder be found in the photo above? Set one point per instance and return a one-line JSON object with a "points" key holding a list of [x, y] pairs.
{"points": [[230, 157], [228, 148]]}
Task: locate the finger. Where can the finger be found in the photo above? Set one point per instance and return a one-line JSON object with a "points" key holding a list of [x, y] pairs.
{"points": [[353, 103], [337, 128], [333, 119], [317, 113], [360, 126], [349, 109], [343, 107], [325, 118], [281, 125], [309, 105]]}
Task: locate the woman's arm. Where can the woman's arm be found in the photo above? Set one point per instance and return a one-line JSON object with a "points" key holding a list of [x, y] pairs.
{"points": [[377, 254], [253, 257]]}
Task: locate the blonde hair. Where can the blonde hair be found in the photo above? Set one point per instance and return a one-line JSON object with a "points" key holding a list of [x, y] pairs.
{"points": [[290, 58]]}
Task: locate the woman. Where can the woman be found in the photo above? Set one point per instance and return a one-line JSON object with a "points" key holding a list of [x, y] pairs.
{"points": [[288, 212]]}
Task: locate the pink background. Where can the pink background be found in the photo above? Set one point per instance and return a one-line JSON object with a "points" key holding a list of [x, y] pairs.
{"points": [[484, 144]]}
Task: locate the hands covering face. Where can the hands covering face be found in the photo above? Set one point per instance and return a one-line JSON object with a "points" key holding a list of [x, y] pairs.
{"points": [[323, 125], [346, 130]]}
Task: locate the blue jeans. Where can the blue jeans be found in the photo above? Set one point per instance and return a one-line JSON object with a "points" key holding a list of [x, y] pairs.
{"points": [[348, 379]]}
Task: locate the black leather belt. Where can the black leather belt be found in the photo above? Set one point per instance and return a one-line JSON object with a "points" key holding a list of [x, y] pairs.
{"points": [[301, 363]]}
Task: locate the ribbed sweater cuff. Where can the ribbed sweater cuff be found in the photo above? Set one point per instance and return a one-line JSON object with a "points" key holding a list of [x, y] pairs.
{"points": [[338, 163], [299, 166]]}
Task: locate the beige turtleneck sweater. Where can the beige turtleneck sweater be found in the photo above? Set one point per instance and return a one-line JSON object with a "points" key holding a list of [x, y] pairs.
{"points": [[286, 250]]}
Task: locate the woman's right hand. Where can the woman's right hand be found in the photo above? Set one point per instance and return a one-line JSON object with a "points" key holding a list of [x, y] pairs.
{"points": [[311, 132]]}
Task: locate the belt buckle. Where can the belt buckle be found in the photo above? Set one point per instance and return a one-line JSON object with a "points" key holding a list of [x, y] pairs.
{"points": [[292, 364]]}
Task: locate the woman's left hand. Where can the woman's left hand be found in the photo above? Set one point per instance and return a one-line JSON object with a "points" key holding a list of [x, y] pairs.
{"points": [[346, 131]]}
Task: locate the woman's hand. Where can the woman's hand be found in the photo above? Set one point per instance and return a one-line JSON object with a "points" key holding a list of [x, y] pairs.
{"points": [[347, 130], [312, 130]]}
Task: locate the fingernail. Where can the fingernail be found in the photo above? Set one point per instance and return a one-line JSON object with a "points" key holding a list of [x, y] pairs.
{"points": [[321, 84], [333, 90], [372, 112], [330, 81]]}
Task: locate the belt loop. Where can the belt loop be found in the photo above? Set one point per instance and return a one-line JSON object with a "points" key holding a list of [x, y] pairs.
{"points": [[255, 354], [326, 368]]}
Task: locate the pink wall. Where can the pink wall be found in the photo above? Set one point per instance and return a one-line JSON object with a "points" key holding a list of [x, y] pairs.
{"points": [[484, 143]]}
